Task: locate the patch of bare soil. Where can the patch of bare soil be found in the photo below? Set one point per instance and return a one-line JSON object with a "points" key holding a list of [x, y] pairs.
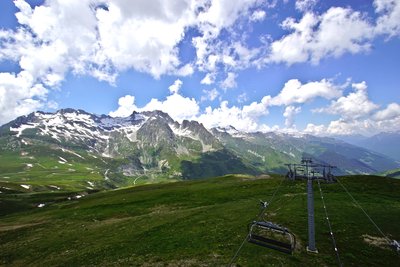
{"points": [[4, 228], [253, 178], [376, 241]]}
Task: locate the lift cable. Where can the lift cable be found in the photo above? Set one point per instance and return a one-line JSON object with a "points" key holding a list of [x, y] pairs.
{"points": [[358, 204], [260, 216], [330, 226]]}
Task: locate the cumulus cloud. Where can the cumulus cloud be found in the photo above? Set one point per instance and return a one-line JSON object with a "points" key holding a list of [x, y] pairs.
{"points": [[289, 114], [176, 105], [365, 126], [19, 95], [126, 106], [210, 95], [103, 38], [305, 5], [389, 19], [219, 54], [294, 92], [352, 106], [335, 32], [358, 115], [174, 88], [244, 119], [230, 81], [392, 111], [258, 15], [208, 79]]}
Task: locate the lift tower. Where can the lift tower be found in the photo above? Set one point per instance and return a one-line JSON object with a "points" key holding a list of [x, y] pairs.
{"points": [[310, 206]]}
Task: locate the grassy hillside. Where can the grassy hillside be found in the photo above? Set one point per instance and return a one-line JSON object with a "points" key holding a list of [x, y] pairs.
{"points": [[201, 223], [391, 173]]}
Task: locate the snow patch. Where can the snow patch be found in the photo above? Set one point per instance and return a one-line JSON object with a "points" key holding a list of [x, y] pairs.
{"points": [[90, 183], [256, 154], [179, 131], [72, 152], [62, 159], [41, 205], [23, 127]]}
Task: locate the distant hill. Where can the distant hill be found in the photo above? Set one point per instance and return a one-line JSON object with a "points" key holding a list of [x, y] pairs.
{"points": [[387, 143], [392, 173]]}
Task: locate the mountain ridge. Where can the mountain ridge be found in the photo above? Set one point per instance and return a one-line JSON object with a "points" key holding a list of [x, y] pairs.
{"points": [[149, 145]]}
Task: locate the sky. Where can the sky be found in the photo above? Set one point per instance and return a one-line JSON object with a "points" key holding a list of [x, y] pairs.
{"points": [[325, 68]]}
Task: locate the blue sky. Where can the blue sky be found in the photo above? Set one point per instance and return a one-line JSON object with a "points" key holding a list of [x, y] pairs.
{"points": [[310, 66]]}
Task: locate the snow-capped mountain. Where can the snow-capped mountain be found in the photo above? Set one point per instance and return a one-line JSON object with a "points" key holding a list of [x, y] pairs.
{"points": [[108, 136], [152, 144]]}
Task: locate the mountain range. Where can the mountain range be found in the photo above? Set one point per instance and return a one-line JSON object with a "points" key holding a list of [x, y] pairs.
{"points": [[74, 148], [386, 143]]}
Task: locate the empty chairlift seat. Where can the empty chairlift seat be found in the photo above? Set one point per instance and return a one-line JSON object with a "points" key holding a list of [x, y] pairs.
{"points": [[270, 235]]}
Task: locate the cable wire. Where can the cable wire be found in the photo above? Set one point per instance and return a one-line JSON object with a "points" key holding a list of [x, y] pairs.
{"points": [[358, 204], [330, 226], [260, 216]]}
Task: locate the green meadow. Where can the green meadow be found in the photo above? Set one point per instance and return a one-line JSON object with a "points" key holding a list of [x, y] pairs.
{"points": [[198, 223]]}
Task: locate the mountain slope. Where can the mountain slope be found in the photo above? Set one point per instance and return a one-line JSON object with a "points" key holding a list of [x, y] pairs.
{"points": [[270, 151], [386, 143], [203, 223]]}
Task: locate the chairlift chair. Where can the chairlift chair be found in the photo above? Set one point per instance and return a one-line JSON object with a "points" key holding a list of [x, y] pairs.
{"points": [[270, 235]]}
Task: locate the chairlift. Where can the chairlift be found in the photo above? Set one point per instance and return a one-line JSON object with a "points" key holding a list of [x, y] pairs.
{"points": [[270, 235]]}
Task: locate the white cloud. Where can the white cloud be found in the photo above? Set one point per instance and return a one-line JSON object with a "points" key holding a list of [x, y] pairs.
{"points": [[102, 38], [230, 53], [389, 19], [294, 92], [363, 126], [230, 81], [98, 38], [144, 36], [362, 86], [392, 111], [174, 88], [208, 79], [245, 119], [176, 105], [258, 15], [210, 95], [19, 95], [335, 32], [353, 106], [290, 112], [313, 129], [385, 120], [305, 5], [126, 106], [242, 97]]}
